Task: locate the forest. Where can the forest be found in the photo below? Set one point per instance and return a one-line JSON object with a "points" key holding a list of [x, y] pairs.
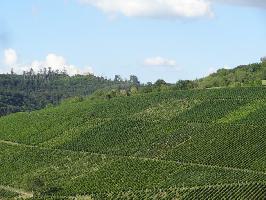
{"points": [[35, 90]]}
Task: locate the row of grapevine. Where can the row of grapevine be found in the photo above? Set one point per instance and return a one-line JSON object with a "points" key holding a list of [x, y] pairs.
{"points": [[132, 147], [191, 106], [75, 173], [246, 191]]}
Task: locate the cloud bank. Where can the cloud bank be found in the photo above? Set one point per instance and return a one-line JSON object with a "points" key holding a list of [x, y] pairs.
{"points": [[160, 62], [153, 8], [165, 9], [55, 62]]}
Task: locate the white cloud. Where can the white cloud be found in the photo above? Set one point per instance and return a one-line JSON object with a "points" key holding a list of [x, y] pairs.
{"points": [[165, 9], [153, 8], [160, 62], [55, 62], [10, 57]]}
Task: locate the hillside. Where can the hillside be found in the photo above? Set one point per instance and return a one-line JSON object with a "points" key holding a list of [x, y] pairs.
{"points": [[193, 144], [35, 90], [243, 75]]}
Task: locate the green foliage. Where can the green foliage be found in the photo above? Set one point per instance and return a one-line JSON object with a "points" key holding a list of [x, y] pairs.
{"points": [[244, 75], [134, 80], [162, 145], [32, 91], [160, 82], [5, 194], [237, 191], [186, 85], [68, 173]]}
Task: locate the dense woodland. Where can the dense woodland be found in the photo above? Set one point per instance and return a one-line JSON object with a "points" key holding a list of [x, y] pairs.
{"points": [[31, 90], [36, 90]]}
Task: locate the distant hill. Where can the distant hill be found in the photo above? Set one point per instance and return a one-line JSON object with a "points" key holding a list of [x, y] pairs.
{"points": [[32, 91], [193, 144], [252, 75], [244, 75]]}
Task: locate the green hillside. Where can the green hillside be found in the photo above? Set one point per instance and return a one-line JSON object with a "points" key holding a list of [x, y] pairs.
{"points": [[243, 75], [193, 144], [36, 90]]}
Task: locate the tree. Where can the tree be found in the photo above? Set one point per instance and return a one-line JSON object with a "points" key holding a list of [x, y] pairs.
{"points": [[12, 71], [160, 82], [263, 59], [134, 79], [118, 78], [186, 84]]}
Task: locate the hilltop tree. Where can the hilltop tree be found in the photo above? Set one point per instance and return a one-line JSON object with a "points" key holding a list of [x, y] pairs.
{"points": [[186, 84], [160, 82], [118, 78], [134, 80]]}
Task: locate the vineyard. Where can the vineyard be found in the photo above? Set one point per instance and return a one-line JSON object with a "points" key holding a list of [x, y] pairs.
{"points": [[195, 144]]}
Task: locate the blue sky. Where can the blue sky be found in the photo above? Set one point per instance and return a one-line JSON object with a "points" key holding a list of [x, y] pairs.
{"points": [[151, 40]]}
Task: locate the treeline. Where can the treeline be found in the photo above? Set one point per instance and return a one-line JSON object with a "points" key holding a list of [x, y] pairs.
{"points": [[244, 75], [252, 75], [35, 90]]}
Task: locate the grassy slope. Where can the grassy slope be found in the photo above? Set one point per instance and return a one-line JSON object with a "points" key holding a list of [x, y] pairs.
{"points": [[156, 142]]}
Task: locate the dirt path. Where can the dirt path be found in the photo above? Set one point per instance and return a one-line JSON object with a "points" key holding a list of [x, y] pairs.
{"points": [[22, 194], [15, 143]]}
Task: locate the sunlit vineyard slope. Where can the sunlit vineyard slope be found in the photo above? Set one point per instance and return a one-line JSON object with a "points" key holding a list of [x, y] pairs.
{"points": [[195, 144]]}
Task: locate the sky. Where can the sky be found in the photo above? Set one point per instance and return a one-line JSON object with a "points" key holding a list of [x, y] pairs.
{"points": [[153, 39]]}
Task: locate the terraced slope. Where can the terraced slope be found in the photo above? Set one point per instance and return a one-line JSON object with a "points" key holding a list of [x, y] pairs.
{"points": [[202, 144]]}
